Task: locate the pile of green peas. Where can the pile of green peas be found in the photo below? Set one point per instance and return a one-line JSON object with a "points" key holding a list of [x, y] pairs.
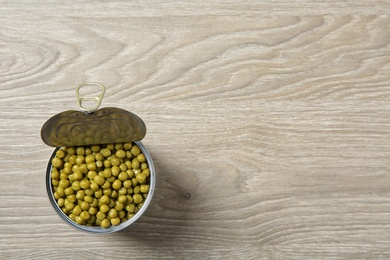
{"points": [[100, 185]]}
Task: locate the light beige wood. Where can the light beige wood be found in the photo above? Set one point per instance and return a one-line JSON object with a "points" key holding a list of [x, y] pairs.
{"points": [[268, 123]]}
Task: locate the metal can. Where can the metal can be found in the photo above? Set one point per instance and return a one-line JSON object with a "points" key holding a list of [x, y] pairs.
{"points": [[95, 127]]}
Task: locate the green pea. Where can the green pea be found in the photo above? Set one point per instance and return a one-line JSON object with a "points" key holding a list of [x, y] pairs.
{"points": [[111, 204], [94, 186], [54, 182], [107, 163], [72, 159], [84, 205], [98, 193], [61, 202], [80, 150], [141, 158], [60, 153], [104, 200], [107, 192], [122, 191], [127, 184], [104, 208], [115, 170], [115, 161], [137, 198], [146, 172], [80, 159], [69, 206], [83, 168], [128, 164], [88, 199], [80, 195], [56, 162], [122, 199], [122, 167], [99, 164], [135, 164], [60, 192], [55, 174], [100, 215], [90, 158], [91, 175], [130, 173], [84, 215], [92, 210], [69, 191], [94, 202], [88, 151], [77, 176], [121, 215], [144, 166], [76, 185], [107, 173], [117, 184], [91, 220], [84, 184], [135, 150], [99, 180], [105, 223], [129, 155], [120, 154], [144, 188], [118, 206], [89, 192], [134, 181], [72, 216], [91, 166], [111, 179], [79, 220], [127, 146], [112, 213], [99, 157], [115, 221], [105, 152], [77, 210], [106, 185], [72, 198], [129, 198], [140, 178], [118, 146], [130, 208], [95, 148], [123, 176], [71, 150]]}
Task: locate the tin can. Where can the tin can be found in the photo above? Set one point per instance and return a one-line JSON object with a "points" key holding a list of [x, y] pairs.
{"points": [[96, 127]]}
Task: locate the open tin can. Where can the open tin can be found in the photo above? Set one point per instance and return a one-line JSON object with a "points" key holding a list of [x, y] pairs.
{"points": [[118, 188]]}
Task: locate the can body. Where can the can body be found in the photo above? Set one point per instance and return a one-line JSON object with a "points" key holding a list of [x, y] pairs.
{"points": [[96, 229]]}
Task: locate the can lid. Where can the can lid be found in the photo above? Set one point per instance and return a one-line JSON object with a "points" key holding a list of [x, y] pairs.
{"points": [[102, 126]]}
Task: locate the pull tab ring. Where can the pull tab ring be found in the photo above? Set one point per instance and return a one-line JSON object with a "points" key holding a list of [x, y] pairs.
{"points": [[96, 100]]}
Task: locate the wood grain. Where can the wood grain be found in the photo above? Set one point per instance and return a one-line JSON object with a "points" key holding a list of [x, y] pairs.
{"points": [[267, 122]]}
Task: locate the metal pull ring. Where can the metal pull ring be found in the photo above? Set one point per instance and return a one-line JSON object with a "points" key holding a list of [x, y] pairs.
{"points": [[89, 104]]}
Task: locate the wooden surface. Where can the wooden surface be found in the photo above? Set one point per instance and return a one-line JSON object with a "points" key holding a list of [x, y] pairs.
{"points": [[268, 124]]}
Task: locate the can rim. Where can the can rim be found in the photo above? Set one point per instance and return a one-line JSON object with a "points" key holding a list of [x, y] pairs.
{"points": [[96, 229]]}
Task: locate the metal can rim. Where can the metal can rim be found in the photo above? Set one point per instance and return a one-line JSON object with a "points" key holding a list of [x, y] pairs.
{"points": [[96, 229]]}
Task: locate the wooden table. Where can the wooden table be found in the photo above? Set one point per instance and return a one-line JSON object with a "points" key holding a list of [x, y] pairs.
{"points": [[268, 124]]}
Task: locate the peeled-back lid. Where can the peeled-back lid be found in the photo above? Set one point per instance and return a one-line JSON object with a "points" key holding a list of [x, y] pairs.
{"points": [[102, 126]]}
